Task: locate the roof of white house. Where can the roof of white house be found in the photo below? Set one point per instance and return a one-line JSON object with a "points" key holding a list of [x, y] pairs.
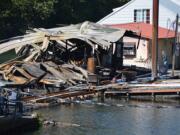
{"points": [[119, 8], [172, 5], [115, 10], [145, 30]]}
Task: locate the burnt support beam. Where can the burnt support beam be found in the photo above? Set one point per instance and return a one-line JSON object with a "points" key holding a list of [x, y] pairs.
{"points": [[117, 57], [155, 38]]}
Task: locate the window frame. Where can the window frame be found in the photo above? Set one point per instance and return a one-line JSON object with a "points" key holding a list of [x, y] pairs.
{"points": [[144, 15], [133, 49]]}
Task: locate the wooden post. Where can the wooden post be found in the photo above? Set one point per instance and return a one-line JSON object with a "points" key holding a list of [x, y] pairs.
{"points": [[174, 46], [155, 38]]}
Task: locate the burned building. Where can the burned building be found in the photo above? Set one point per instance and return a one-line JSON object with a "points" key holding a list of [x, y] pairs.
{"points": [[63, 55]]}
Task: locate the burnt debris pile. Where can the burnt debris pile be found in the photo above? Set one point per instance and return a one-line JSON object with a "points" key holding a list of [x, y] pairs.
{"points": [[64, 56]]}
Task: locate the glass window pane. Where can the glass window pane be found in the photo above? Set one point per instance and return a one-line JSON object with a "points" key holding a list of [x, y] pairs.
{"points": [[142, 15]]}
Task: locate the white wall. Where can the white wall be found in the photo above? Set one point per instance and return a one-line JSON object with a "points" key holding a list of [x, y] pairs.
{"points": [[125, 14], [167, 13], [142, 51], [142, 58]]}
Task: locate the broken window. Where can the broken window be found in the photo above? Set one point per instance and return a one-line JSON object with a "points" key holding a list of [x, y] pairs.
{"points": [[142, 15], [129, 49]]}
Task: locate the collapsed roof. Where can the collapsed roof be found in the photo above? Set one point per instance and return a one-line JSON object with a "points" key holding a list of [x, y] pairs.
{"points": [[93, 34]]}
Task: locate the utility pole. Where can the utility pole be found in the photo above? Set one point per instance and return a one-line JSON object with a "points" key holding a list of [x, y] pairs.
{"points": [[174, 45], [155, 38]]}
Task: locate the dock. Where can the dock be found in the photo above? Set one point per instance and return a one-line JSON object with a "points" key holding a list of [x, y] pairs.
{"points": [[163, 88], [152, 92], [70, 95], [120, 90]]}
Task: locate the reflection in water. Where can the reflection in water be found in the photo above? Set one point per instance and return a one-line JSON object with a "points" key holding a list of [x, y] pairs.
{"points": [[113, 117]]}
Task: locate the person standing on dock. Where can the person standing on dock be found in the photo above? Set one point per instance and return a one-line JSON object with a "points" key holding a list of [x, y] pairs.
{"points": [[3, 102], [164, 67], [15, 98]]}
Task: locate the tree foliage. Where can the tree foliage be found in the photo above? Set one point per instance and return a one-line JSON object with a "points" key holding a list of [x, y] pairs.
{"points": [[17, 15]]}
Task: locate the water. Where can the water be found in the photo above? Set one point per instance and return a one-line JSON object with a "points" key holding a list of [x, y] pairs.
{"points": [[114, 117]]}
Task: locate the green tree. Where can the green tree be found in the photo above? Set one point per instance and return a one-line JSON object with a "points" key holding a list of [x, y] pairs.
{"points": [[17, 15], [74, 11]]}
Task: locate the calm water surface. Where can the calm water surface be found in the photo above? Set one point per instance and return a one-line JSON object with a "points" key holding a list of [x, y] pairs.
{"points": [[114, 117]]}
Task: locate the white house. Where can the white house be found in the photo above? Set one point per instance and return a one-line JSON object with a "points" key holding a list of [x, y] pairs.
{"points": [[136, 15], [141, 11], [137, 51]]}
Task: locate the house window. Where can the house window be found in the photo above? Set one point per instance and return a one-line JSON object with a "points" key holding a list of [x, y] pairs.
{"points": [[129, 49], [142, 15]]}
